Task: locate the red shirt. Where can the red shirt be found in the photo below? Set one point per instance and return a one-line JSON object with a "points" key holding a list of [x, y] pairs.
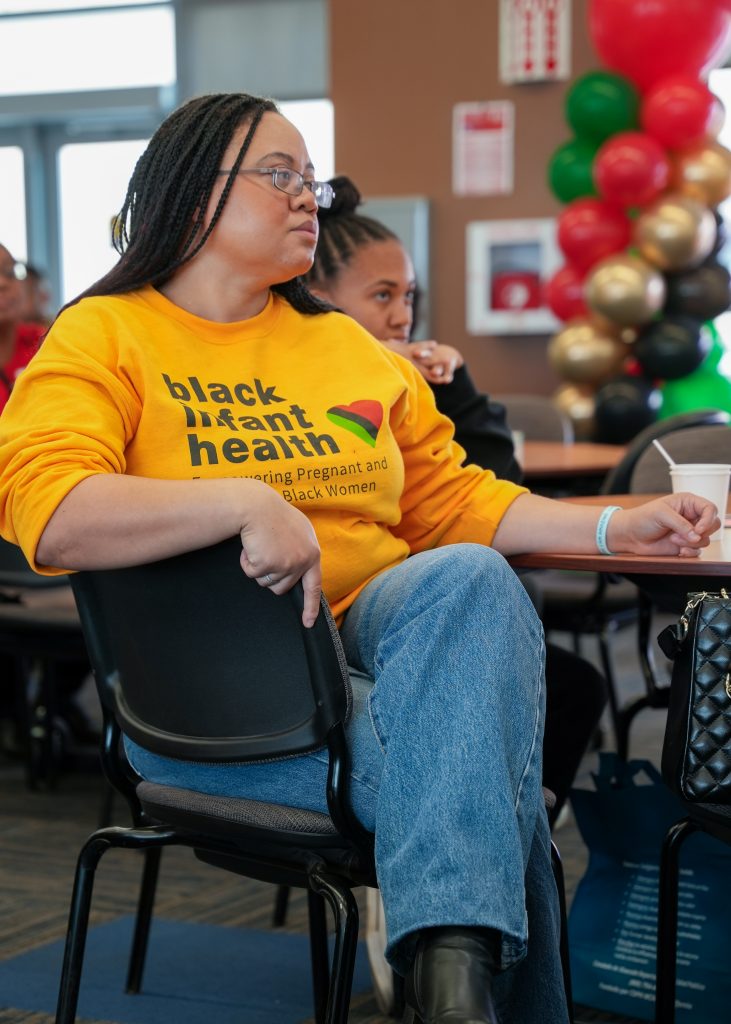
{"points": [[27, 342]]}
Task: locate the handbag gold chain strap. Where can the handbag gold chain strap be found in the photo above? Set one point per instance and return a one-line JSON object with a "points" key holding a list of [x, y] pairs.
{"points": [[684, 623]]}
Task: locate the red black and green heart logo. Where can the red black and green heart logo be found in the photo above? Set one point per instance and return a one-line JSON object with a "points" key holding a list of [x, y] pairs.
{"points": [[362, 418]]}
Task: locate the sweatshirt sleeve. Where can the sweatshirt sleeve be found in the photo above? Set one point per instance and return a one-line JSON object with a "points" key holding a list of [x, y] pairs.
{"points": [[80, 427], [443, 501], [480, 425]]}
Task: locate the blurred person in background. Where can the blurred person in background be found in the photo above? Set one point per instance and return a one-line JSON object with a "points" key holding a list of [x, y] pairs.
{"points": [[19, 340], [36, 297]]}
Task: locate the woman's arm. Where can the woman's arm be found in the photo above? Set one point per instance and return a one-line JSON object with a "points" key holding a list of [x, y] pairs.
{"points": [[110, 520], [679, 524]]}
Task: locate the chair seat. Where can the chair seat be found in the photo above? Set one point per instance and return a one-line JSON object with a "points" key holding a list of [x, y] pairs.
{"points": [[217, 814]]}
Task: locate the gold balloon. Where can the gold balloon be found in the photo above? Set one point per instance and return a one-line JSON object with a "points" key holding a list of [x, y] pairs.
{"points": [[578, 402], [583, 354], [607, 326], [703, 172], [675, 232], [625, 289]]}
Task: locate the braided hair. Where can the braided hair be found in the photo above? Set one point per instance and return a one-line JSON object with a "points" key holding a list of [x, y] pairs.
{"points": [[342, 232], [159, 227]]}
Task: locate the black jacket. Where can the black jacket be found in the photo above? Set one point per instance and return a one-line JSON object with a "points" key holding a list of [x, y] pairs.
{"points": [[479, 425]]}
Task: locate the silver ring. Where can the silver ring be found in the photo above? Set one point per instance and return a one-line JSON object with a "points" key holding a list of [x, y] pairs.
{"points": [[269, 581]]}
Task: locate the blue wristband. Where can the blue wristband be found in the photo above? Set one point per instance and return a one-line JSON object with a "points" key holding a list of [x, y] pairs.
{"points": [[602, 526]]}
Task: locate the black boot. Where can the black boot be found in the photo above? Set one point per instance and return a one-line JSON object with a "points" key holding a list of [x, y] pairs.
{"points": [[451, 977]]}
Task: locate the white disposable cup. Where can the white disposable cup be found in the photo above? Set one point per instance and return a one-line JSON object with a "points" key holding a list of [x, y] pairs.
{"points": [[519, 446], [708, 479]]}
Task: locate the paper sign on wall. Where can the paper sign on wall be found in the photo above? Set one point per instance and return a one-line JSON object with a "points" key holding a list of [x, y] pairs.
{"points": [[482, 153], [535, 40]]}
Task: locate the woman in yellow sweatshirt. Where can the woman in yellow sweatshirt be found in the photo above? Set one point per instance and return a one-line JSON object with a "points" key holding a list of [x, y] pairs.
{"points": [[198, 391]]}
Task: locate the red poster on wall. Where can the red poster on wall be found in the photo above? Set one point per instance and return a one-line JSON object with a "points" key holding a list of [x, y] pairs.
{"points": [[482, 148]]}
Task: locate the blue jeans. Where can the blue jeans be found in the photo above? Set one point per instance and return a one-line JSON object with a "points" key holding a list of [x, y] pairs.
{"points": [[446, 752]]}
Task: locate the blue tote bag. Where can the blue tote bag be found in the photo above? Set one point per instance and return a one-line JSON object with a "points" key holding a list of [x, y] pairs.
{"points": [[613, 917]]}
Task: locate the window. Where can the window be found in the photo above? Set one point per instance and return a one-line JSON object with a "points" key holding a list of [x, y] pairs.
{"points": [[315, 120], [12, 209], [93, 178], [49, 53], [45, 6]]}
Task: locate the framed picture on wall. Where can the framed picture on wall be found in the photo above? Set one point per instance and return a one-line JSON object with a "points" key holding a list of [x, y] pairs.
{"points": [[508, 264]]}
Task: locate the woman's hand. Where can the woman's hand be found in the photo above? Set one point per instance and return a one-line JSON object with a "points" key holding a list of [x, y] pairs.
{"points": [[678, 524], [435, 362], [280, 547]]}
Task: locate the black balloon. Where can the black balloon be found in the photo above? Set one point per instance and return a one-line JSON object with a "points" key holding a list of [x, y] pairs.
{"points": [[702, 293], [672, 347], [624, 407]]}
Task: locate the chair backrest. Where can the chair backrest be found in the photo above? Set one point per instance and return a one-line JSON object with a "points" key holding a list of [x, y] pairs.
{"points": [[197, 661], [538, 417], [690, 444], [654, 477], [16, 572]]}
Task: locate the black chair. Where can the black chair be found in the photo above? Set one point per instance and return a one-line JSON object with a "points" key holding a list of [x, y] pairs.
{"points": [[39, 630], [194, 660], [600, 605], [715, 822], [537, 417]]}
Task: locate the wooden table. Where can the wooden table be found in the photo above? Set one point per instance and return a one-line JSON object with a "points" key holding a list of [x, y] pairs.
{"points": [[581, 458]]}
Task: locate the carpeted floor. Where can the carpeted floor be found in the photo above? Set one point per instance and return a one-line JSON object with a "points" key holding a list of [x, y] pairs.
{"points": [[189, 975], [200, 913]]}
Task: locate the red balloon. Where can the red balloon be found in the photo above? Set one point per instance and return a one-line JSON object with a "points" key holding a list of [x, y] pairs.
{"points": [[680, 110], [630, 169], [589, 230], [650, 40], [565, 293]]}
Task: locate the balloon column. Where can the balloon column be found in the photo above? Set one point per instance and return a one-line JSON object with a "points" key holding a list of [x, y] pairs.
{"points": [[641, 179]]}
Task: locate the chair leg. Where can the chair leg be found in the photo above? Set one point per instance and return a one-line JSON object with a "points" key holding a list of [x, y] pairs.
{"points": [[281, 903], [145, 905], [318, 953], [612, 698], [564, 937], [345, 911], [107, 806], [73, 957], [667, 921], [91, 853]]}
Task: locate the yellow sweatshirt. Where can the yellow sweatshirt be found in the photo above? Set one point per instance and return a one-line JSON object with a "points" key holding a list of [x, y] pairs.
{"points": [[312, 405]]}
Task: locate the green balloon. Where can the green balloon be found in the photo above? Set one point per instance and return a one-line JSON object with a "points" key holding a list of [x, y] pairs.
{"points": [[570, 170], [702, 389], [600, 104]]}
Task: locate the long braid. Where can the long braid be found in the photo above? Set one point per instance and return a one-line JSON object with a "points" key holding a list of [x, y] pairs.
{"points": [[342, 232], [159, 227]]}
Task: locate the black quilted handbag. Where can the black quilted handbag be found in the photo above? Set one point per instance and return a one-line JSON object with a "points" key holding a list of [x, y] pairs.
{"points": [[696, 756]]}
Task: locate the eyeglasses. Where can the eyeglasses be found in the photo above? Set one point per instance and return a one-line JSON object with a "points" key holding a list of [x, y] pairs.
{"points": [[292, 182], [15, 272]]}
